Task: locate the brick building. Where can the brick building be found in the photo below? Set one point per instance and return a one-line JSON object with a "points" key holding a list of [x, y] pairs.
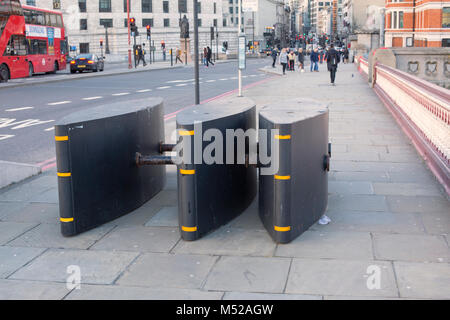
{"points": [[419, 23]]}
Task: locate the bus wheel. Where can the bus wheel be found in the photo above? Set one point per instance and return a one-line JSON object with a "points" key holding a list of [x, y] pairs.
{"points": [[30, 70], [4, 73]]}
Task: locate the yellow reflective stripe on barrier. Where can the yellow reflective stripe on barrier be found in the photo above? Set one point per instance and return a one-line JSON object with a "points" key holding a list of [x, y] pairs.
{"points": [[188, 229], [280, 137], [282, 177], [64, 174], [61, 138], [282, 229], [187, 171], [66, 219], [186, 133]]}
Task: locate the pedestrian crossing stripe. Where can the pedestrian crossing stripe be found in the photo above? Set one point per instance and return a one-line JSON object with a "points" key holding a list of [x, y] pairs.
{"points": [[61, 138], [282, 229]]}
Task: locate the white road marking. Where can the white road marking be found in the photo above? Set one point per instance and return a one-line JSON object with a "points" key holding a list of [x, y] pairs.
{"points": [[144, 90], [177, 81], [181, 85], [5, 136], [211, 81], [121, 94], [6, 122], [253, 75], [223, 79], [92, 98], [244, 76], [50, 129], [234, 78], [19, 109], [162, 88], [58, 103]]}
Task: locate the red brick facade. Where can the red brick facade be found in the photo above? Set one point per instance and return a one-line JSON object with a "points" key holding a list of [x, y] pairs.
{"points": [[422, 23]]}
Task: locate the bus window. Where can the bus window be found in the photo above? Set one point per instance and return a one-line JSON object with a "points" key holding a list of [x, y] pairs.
{"points": [[63, 46], [53, 21], [17, 46], [40, 19], [42, 47], [37, 46], [59, 23], [28, 16]]}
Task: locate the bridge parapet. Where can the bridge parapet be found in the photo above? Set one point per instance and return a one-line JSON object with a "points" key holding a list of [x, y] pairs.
{"points": [[423, 111]]}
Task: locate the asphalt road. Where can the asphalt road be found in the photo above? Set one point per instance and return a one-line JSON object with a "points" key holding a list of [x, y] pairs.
{"points": [[27, 114]]}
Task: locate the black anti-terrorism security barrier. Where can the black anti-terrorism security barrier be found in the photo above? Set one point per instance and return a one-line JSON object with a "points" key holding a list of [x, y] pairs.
{"points": [[294, 198], [209, 196], [98, 179]]}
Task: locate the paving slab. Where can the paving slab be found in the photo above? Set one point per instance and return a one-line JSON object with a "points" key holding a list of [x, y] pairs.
{"points": [[249, 274], [11, 230], [359, 176], [101, 292], [35, 212], [350, 187], [230, 242], [357, 202], [249, 219], [405, 189], [423, 280], [329, 245], [48, 235], [12, 258], [31, 290], [418, 204], [48, 196], [139, 238], [239, 296], [22, 192], [386, 222], [436, 222], [7, 208], [409, 247], [166, 217], [138, 217], [339, 277], [168, 271], [96, 267]]}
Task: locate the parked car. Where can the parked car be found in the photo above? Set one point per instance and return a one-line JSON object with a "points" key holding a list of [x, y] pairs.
{"points": [[85, 62]]}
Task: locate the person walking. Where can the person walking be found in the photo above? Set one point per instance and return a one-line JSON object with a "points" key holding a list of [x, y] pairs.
{"points": [[178, 55], [292, 61], [274, 55], [209, 56], [301, 60], [333, 59], [141, 55], [346, 54], [284, 60], [315, 60], [205, 53]]}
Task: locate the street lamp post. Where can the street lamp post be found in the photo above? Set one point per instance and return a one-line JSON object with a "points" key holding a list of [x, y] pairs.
{"points": [[196, 66], [239, 35], [106, 40], [129, 35]]}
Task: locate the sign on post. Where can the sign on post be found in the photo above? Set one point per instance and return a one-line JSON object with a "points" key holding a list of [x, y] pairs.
{"points": [[242, 62], [249, 5]]}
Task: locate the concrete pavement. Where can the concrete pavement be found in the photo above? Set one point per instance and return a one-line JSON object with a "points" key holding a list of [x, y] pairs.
{"points": [[390, 222]]}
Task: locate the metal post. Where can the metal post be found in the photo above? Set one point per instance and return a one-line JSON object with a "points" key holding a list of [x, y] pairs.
{"points": [[150, 45], [185, 51], [107, 41], [196, 64], [153, 47], [217, 42], [253, 25], [129, 37], [239, 33], [171, 58], [134, 50]]}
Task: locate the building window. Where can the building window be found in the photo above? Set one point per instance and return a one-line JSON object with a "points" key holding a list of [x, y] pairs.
{"points": [[400, 19], [199, 7], [215, 22], [199, 21], [82, 5], [446, 17], [31, 2], [215, 7], [108, 23], [147, 6], [166, 6], [224, 22], [182, 6], [166, 22], [147, 22], [84, 48], [104, 6], [125, 5], [83, 24], [57, 4]]}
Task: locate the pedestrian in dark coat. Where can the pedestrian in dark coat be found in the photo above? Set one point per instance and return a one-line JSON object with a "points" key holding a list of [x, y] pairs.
{"points": [[315, 60], [209, 56], [274, 55], [333, 59]]}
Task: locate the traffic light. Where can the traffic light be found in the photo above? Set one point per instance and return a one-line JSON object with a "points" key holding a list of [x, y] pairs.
{"points": [[133, 26], [212, 33], [101, 43], [149, 31]]}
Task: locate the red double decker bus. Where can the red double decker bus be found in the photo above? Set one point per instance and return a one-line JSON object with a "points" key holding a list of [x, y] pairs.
{"points": [[32, 40]]}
